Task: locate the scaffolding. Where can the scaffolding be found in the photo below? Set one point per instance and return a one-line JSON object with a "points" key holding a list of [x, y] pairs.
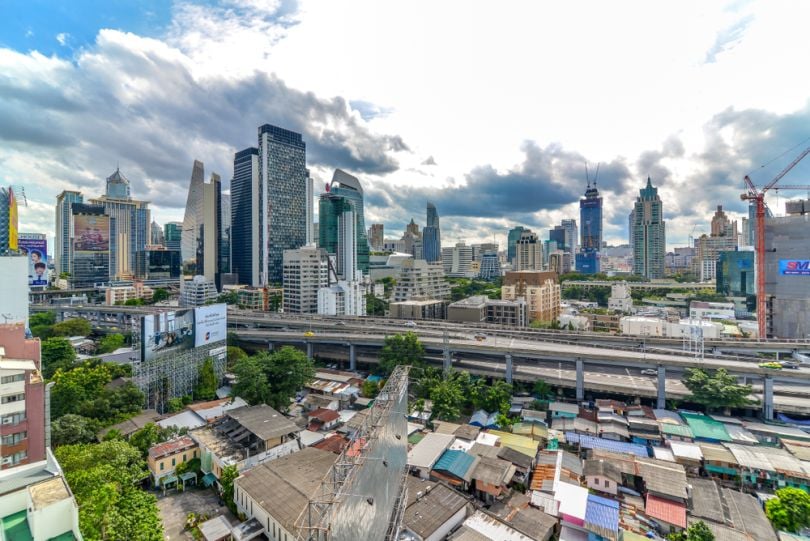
{"points": [[363, 496], [693, 340]]}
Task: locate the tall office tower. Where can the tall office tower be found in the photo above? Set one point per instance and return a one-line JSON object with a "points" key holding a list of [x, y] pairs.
{"points": [[62, 244], [457, 261], [528, 252], [511, 241], [312, 233], [130, 223], [432, 236], [557, 237], [245, 238], [722, 226], [188, 247], [209, 232], [156, 235], [590, 223], [376, 237], [724, 237], [571, 235], [225, 242], [90, 251], [173, 235], [649, 234], [338, 233], [305, 271], [348, 187], [413, 229], [283, 187]]}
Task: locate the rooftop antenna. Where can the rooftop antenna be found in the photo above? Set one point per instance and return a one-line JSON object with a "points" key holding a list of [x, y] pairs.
{"points": [[587, 178], [597, 174]]}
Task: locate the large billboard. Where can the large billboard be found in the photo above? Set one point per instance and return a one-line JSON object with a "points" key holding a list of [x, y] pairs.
{"points": [[91, 233], [211, 324], [794, 267], [36, 250], [166, 332]]}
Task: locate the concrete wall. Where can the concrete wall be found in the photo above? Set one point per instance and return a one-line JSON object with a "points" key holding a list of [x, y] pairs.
{"points": [[787, 238]]}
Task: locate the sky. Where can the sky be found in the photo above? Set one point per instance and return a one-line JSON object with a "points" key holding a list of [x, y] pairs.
{"points": [[490, 110]]}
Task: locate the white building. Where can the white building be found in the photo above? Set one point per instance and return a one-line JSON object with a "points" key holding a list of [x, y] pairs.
{"points": [[306, 271], [457, 261], [342, 299], [115, 294], [14, 289], [418, 279], [620, 298], [690, 327], [197, 291], [649, 326], [711, 310], [642, 326]]}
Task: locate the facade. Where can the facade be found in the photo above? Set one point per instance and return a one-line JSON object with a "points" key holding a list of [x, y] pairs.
{"points": [[193, 214], [560, 262], [511, 242], [342, 299], [787, 275], [119, 294], [711, 310], [202, 226], [130, 225], [528, 252], [349, 189], [306, 271], [173, 235], [90, 245], [557, 236], [164, 458], [14, 289], [649, 234], [490, 268], [64, 234], [225, 237], [337, 232], [284, 185], [590, 223], [735, 275], [8, 214], [432, 236], [156, 236], [245, 209], [420, 280], [152, 264], [418, 309], [376, 237], [540, 290], [198, 291], [457, 260], [571, 237], [481, 309], [620, 299]]}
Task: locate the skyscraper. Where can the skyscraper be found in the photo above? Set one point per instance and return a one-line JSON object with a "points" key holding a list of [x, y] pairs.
{"points": [[61, 248], [557, 236], [202, 225], [130, 223], [528, 252], [571, 241], [348, 188], [590, 223], [512, 238], [283, 191], [156, 234], [432, 236], [8, 212], [90, 250], [649, 234], [376, 237], [225, 240], [305, 271], [188, 247], [245, 236], [173, 235]]}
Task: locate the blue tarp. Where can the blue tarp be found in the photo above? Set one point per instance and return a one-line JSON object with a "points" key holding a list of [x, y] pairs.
{"points": [[592, 442], [602, 513], [787, 420], [484, 419]]}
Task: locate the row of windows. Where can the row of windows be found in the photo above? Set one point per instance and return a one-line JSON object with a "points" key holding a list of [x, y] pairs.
{"points": [[14, 439], [12, 398], [12, 379], [13, 419]]}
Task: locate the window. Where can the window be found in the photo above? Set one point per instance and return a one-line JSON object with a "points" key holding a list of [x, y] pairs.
{"points": [[161, 466], [13, 419], [14, 439], [12, 398], [174, 461], [607, 483], [12, 379], [596, 481], [184, 457]]}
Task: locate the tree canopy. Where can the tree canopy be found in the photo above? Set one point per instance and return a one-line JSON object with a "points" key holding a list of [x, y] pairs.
{"points": [[72, 327], [71, 429], [274, 377], [401, 349], [110, 343], [716, 390], [790, 510], [697, 531], [206, 381], [56, 353], [375, 306], [104, 478], [82, 390]]}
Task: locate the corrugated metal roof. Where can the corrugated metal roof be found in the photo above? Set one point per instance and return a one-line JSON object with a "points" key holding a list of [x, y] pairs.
{"points": [[519, 443], [705, 427], [667, 416], [738, 434], [573, 500], [456, 463], [563, 407], [602, 516], [677, 430], [591, 442], [425, 453], [484, 419], [713, 452], [667, 478], [666, 510], [684, 450]]}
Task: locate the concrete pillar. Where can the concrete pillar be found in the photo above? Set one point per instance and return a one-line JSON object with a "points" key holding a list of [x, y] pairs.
{"points": [[767, 398], [270, 346], [661, 403], [309, 350], [580, 380], [508, 368], [352, 357]]}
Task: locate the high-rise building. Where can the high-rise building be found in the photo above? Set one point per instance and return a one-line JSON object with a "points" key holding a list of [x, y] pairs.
{"points": [[342, 299], [156, 234], [724, 237], [130, 225], [245, 207], [540, 290], [376, 237], [571, 239], [64, 234], [478, 250], [90, 251], [8, 221], [198, 291], [528, 252], [590, 223], [340, 217], [225, 239], [306, 270], [735, 276], [202, 226], [432, 236], [192, 215], [284, 186], [490, 266], [557, 236], [173, 235], [457, 261], [649, 234], [511, 241], [420, 280], [14, 289], [152, 264]]}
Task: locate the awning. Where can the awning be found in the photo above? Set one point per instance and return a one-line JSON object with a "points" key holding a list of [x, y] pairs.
{"points": [[209, 479]]}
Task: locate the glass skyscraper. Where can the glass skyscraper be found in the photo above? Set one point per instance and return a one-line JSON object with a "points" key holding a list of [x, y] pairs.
{"points": [[590, 223], [432, 236], [343, 197], [511, 242], [649, 233], [283, 192], [172, 235], [62, 248], [245, 217]]}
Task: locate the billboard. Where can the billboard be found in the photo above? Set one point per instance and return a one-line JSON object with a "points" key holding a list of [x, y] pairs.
{"points": [[794, 267], [211, 324], [166, 332], [36, 250], [13, 221], [91, 233]]}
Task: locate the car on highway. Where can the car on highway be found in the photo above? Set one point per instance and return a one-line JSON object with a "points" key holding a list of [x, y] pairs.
{"points": [[649, 372], [790, 364], [480, 337], [772, 365], [309, 333], [410, 324], [340, 324]]}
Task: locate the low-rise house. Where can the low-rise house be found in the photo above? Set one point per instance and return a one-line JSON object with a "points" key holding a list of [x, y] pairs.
{"points": [[529, 521], [522, 462], [519, 443], [484, 419], [492, 477], [643, 430], [719, 462], [202, 413], [322, 419], [481, 526], [313, 401], [770, 467], [536, 431], [245, 437], [445, 427], [133, 424], [334, 444], [467, 432], [573, 503], [591, 442], [771, 434], [275, 493], [164, 458], [739, 434], [729, 514], [687, 455], [433, 510], [424, 455], [533, 416], [705, 428], [455, 468], [602, 476], [336, 384], [614, 431], [563, 410], [602, 517], [670, 514], [673, 432]]}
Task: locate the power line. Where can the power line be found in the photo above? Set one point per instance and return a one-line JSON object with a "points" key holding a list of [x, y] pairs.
{"points": [[766, 164]]}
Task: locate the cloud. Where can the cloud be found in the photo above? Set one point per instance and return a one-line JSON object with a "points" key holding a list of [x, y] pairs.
{"points": [[728, 38], [62, 38], [429, 161]]}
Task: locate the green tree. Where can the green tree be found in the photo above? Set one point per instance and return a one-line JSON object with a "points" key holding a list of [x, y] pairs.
{"points": [[72, 327], [207, 381], [103, 477], [159, 295], [234, 354], [401, 349], [228, 297], [151, 434], [71, 429], [274, 302], [56, 353], [41, 324], [229, 475], [448, 398], [370, 388], [175, 405], [287, 371], [498, 397], [375, 306], [110, 343], [74, 387], [790, 510], [542, 389], [716, 390], [251, 382], [134, 302]]}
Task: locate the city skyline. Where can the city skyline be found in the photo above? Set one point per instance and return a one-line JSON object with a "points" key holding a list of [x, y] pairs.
{"points": [[707, 130]]}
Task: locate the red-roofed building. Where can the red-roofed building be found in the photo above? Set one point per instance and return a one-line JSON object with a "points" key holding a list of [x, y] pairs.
{"points": [[334, 444], [165, 457], [322, 419], [667, 512]]}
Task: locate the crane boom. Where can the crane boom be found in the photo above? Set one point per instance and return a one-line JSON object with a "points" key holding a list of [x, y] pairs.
{"points": [[784, 171]]}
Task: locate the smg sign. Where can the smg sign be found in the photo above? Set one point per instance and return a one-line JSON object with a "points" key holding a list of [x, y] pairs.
{"points": [[794, 267]]}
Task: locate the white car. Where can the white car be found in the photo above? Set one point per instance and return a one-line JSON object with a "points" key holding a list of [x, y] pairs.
{"points": [[649, 372], [410, 324]]}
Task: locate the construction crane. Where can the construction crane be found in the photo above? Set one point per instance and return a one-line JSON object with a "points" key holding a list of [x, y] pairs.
{"points": [[758, 197]]}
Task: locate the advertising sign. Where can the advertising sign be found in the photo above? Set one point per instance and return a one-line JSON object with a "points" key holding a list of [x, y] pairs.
{"points": [[211, 324], [91, 233], [166, 332], [13, 221], [36, 250], [794, 267]]}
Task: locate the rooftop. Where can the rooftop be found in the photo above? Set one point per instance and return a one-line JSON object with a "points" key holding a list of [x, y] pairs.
{"points": [[457, 463], [603, 468], [494, 471], [706, 502], [682, 431], [48, 492], [467, 432], [705, 427], [263, 421], [171, 447], [666, 510], [430, 505], [591, 442], [425, 453]]}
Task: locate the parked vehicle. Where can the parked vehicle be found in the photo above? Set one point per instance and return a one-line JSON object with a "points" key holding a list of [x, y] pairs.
{"points": [[772, 365]]}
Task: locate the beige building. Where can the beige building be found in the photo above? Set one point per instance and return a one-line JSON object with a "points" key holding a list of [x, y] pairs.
{"points": [[120, 294], [164, 457], [528, 252], [481, 309], [540, 290], [418, 279]]}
